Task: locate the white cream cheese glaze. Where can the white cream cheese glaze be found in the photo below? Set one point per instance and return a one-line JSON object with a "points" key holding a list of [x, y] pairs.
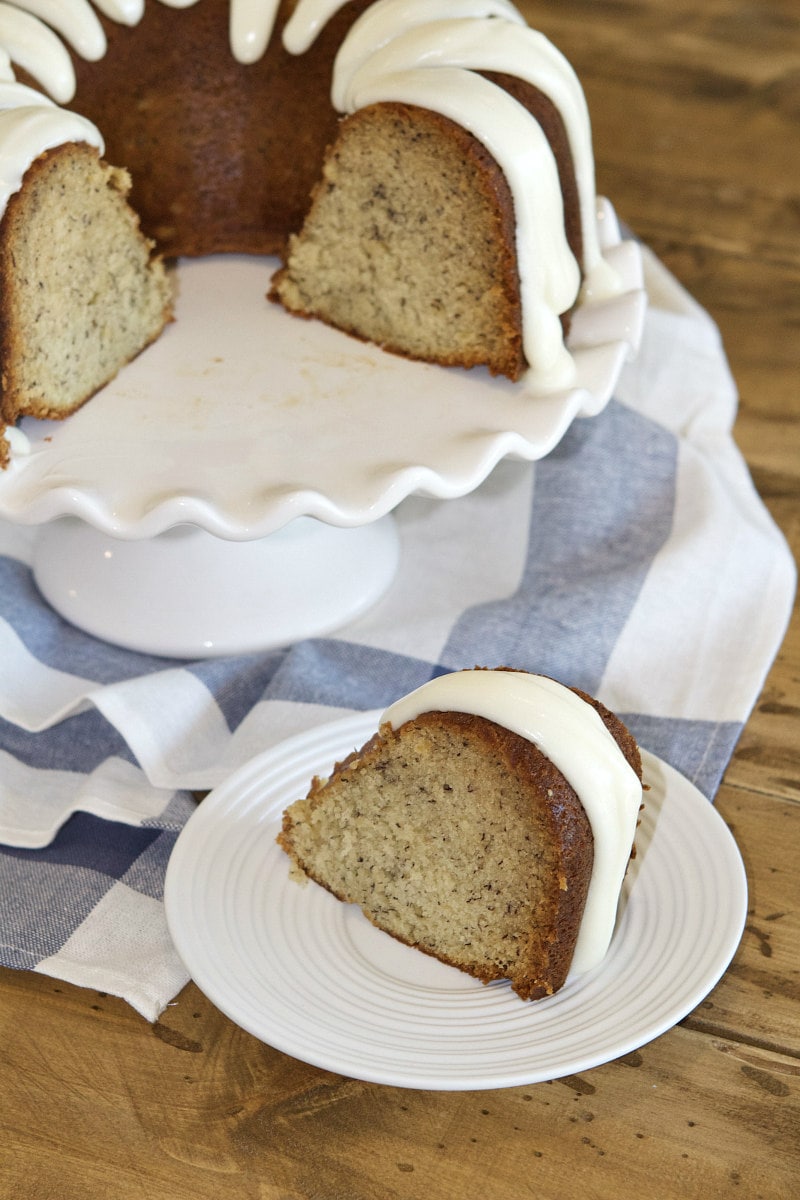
{"points": [[251, 25], [387, 56], [76, 22], [35, 47], [571, 733], [311, 16], [548, 273], [29, 125], [421, 52]]}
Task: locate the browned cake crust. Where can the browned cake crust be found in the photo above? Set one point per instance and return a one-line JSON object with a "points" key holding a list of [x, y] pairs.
{"points": [[489, 848], [222, 155], [547, 114]]}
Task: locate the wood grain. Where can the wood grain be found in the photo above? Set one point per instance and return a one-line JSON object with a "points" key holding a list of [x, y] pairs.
{"points": [[696, 111]]}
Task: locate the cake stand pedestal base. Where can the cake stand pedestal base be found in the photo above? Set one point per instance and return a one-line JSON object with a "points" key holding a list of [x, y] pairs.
{"points": [[190, 594]]}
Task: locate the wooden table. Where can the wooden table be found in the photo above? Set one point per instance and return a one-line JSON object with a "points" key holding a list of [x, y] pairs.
{"points": [[697, 119]]}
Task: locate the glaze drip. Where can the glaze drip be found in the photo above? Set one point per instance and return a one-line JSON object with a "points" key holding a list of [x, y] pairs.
{"points": [[427, 53], [571, 733]]}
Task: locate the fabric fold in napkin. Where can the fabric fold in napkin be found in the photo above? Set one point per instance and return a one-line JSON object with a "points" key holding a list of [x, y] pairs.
{"points": [[636, 561]]}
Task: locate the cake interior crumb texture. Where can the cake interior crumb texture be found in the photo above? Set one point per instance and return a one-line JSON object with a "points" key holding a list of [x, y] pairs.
{"points": [[407, 243], [443, 840], [83, 292]]}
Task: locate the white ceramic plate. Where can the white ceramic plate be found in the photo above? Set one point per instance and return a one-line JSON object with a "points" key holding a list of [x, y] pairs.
{"points": [[241, 418], [313, 978]]}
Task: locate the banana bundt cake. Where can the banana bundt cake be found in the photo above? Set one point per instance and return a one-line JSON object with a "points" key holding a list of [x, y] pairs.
{"points": [[424, 168]]}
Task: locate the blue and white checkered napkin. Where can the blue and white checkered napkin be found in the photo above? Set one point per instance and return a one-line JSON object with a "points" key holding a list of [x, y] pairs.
{"points": [[636, 562]]}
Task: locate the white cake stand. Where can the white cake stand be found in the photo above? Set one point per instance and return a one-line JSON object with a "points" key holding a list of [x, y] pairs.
{"points": [[232, 489]]}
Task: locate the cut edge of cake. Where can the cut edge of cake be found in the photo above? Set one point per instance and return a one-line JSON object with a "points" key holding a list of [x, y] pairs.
{"points": [[85, 292], [409, 243], [496, 889]]}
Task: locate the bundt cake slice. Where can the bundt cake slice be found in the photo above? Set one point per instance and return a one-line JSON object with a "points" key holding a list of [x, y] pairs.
{"points": [[409, 243], [463, 838], [455, 220], [82, 290]]}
